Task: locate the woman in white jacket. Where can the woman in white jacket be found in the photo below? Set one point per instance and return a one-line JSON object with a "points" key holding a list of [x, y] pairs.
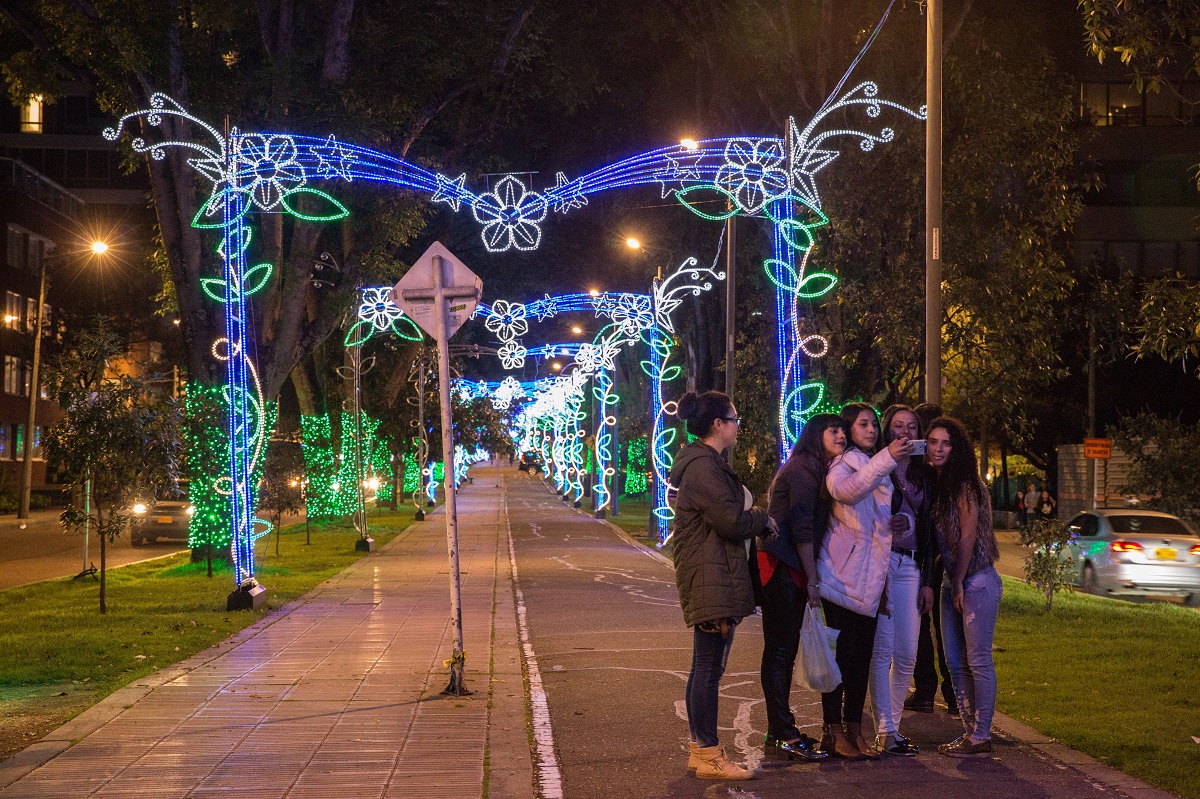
{"points": [[852, 568]]}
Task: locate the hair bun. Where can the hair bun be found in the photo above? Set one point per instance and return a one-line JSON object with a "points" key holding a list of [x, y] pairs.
{"points": [[687, 405]]}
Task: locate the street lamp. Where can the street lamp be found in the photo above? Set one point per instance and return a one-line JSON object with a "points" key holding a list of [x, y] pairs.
{"points": [[98, 248]]}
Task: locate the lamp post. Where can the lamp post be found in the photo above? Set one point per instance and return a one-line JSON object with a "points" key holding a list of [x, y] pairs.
{"points": [[933, 203], [97, 248]]}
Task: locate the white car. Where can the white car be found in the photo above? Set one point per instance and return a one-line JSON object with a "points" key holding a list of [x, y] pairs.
{"points": [[1135, 553]]}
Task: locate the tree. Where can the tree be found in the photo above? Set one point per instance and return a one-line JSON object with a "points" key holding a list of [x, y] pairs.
{"points": [[1048, 566], [1165, 467], [115, 433], [282, 488], [1157, 39]]}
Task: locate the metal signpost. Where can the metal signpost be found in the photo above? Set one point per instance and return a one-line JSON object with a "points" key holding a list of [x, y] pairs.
{"points": [[440, 293]]}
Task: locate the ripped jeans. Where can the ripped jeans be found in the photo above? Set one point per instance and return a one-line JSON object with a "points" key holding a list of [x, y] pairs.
{"points": [[967, 639]]}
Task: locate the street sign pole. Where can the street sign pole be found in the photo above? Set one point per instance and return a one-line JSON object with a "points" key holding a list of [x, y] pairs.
{"points": [[443, 343], [436, 280]]}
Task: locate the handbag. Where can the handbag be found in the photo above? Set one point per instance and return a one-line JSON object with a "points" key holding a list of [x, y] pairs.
{"points": [[818, 659]]}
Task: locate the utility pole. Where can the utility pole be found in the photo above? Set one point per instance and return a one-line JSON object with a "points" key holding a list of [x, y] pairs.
{"points": [[933, 203]]}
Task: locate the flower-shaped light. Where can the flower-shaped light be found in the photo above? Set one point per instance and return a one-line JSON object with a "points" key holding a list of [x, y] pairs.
{"points": [[510, 216], [378, 309], [632, 312], [507, 320], [512, 355], [587, 360], [267, 168], [755, 172]]}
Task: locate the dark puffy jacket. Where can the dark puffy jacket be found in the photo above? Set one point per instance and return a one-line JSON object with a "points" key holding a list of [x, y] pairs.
{"points": [[711, 526]]}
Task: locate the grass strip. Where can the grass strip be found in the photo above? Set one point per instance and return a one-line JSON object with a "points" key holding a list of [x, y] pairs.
{"points": [[53, 639], [1116, 680]]}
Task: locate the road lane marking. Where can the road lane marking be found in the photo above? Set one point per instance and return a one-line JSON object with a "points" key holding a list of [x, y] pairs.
{"points": [[548, 774]]}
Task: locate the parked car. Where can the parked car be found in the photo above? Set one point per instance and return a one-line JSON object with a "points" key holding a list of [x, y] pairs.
{"points": [[163, 518], [530, 462], [1135, 553]]}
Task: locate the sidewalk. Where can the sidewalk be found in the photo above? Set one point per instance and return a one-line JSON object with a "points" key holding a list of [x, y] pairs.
{"points": [[336, 695]]}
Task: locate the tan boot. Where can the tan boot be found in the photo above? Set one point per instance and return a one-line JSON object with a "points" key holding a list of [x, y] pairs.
{"points": [[837, 744], [714, 765], [693, 758], [855, 734]]}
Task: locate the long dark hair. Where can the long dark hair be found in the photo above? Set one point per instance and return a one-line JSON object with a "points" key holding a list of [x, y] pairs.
{"points": [[812, 437], [850, 413], [960, 475], [701, 410]]}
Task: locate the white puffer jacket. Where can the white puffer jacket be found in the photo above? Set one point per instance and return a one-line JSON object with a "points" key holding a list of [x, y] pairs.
{"points": [[853, 564]]}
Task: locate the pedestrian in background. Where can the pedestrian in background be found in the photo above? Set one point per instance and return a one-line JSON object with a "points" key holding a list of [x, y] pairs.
{"points": [[1045, 506], [909, 592], [714, 519], [962, 517], [852, 569], [799, 505]]}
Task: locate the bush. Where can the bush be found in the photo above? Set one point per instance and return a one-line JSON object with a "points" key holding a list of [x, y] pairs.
{"points": [[1048, 567]]}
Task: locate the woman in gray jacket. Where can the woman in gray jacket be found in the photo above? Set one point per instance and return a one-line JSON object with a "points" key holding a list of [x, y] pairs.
{"points": [[713, 520]]}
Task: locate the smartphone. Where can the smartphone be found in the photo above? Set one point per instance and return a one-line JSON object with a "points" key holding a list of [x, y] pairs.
{"points": [[919, 446]]}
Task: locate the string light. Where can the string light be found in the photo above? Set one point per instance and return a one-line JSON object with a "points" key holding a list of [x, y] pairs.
{"points": [[763, 177]]}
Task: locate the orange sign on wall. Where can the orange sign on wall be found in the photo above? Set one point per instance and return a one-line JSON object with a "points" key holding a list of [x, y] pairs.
{"points": [[1097, 448]]}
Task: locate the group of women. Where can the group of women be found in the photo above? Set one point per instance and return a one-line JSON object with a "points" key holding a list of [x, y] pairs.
{"points": [[859, 518]]}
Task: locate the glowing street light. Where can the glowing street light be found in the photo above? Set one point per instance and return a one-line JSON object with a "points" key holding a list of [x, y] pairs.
{"points": [[100, 248], [689, 144], [577, 330], [633, 243]]}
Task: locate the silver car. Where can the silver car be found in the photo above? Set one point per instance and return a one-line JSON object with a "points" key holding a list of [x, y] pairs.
{"points": [[1135, 553]]}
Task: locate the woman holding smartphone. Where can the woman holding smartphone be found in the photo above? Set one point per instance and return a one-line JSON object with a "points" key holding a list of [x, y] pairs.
{"points": [[852, 569], [909, 584], [962, 517]]}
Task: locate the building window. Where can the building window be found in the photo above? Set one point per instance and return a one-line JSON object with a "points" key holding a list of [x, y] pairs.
{"points": [[1118, 103], [30, 313], [17, 246], [32, 115], [12, 310], [13, 379], [5, 442], [38, 432], [19, 443]]}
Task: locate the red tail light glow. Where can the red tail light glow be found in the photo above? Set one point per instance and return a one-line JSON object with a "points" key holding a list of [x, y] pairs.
{"points": [[1126, 546], [1196, 549]]}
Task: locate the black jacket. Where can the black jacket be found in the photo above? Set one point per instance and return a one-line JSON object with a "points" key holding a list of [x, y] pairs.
{"points": [[711, 525], [800, 506]]}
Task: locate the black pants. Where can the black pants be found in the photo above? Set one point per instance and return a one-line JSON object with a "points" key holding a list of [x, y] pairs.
{"points": [[856, 639], [925, 678], [782, 616]]}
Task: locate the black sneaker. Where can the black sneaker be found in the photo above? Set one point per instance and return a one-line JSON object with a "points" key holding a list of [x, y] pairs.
{"points": [[918, 704], [897, 744], [804, 749]]}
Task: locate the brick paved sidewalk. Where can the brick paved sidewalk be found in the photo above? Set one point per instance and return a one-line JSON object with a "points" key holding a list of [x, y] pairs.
{"points": [[337, 695]]}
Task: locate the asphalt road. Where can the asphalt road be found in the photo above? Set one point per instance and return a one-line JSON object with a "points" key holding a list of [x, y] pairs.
{"points": [[45, 551], [613, 654]]}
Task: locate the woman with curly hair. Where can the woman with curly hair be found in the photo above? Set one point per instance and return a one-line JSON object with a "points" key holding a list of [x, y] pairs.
{"points": [[962, 518]]}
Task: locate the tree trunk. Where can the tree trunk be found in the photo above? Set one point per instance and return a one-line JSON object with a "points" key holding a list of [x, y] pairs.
{"points": [[103, 560]]}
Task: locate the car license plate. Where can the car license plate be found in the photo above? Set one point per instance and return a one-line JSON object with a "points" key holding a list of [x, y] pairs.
{"points": [[1166, 554], [171, 519]]}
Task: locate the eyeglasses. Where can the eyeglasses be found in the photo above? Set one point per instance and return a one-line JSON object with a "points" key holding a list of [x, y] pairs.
{"points": [[735, 419]]}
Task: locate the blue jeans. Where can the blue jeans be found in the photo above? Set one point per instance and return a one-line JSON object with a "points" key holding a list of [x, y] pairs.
{"points": [[710, 651], [967, 638]]}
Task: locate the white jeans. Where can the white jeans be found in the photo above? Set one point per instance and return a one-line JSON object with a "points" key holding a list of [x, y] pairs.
{"points": [[895, 653]]}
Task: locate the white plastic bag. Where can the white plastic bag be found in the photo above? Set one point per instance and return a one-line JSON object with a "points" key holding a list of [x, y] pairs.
{"points": [[818, 646]]}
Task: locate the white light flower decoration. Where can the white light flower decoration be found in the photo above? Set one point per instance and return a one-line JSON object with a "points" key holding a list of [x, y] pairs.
{"points": [[510, 215], [269, 164], [378, 309], [755, 172], [507, 320], [512, 355]]}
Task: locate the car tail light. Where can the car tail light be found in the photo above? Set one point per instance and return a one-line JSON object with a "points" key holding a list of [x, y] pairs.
{"points": [[1126, 546], [1196, 549]]}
